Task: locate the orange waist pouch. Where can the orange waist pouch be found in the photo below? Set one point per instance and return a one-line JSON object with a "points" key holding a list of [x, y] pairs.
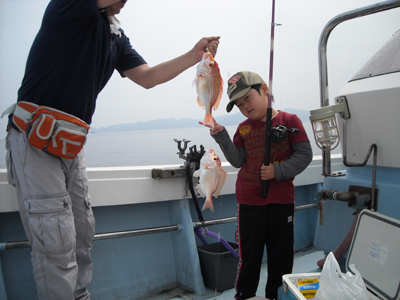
{"points": [[50, 129]]}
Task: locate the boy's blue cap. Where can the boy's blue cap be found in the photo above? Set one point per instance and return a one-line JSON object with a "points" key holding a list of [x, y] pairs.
{"points": [[239, 85]]}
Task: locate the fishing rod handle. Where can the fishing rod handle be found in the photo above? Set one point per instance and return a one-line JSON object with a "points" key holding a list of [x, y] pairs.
{"points": [[265, 188]]}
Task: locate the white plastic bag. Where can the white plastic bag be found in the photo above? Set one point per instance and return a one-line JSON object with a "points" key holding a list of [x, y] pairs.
{"points": [[335, 285]]}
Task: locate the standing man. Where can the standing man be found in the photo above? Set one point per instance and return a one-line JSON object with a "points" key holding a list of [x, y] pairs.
{"points": [[74, 54]]}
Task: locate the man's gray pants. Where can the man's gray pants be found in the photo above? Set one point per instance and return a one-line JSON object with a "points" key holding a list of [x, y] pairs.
{"points": [[55, 210]]}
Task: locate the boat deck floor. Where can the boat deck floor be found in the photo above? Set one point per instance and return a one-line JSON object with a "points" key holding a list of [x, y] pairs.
{"points": [[305, 261]]}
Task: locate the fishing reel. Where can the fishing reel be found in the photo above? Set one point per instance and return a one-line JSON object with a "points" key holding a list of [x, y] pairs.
{"points": [[280, 133]]}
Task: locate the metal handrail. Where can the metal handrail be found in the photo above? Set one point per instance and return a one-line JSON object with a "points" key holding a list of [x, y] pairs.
{"points": [[323, 66], [373, 147], [215, 222], [137, 232], [102, 236]]}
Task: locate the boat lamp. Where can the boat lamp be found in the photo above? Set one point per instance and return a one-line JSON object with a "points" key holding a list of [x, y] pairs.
{"points": [[324, 125]]}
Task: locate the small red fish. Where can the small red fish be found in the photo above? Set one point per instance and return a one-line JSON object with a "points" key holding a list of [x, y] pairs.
{"points": [[208, 86], [212, 178]]}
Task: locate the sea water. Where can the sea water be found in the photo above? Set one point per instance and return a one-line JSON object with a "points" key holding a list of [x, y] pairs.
{"points": [[150, 147]]}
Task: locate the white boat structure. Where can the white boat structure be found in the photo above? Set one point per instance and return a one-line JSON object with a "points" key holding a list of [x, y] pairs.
{"points": [[145, 245]]}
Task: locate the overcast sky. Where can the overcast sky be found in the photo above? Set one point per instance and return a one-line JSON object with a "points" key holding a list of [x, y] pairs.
{"points": [[163, 29]]}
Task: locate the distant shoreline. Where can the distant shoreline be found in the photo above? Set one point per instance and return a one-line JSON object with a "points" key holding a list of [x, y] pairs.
{"points": [[171, 123]]}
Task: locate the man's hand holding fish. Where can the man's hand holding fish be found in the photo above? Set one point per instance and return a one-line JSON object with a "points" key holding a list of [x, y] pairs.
{"points": [[207, 44], [148, 77]]}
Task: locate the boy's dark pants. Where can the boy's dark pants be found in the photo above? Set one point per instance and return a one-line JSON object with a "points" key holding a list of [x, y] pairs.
{"points": [[270, 225]]}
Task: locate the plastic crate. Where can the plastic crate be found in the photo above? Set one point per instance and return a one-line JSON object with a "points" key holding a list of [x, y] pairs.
{"points": [[218, 266]]}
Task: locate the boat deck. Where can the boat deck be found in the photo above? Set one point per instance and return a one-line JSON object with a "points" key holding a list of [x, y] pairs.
{"points": [[305, 261]]}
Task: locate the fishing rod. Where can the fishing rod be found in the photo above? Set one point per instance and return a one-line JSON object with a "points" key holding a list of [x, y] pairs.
{"points": [[279, 132], [268, 122]]}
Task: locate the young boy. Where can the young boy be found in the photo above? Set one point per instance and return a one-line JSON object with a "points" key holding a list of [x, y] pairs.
{"points": [[262, 221]]}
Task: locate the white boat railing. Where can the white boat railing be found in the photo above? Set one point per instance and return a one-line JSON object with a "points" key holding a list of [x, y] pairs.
{"points": [[133, 185]]}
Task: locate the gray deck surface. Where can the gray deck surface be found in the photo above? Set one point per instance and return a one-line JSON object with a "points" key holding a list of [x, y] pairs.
{"points": [[304, 262]]}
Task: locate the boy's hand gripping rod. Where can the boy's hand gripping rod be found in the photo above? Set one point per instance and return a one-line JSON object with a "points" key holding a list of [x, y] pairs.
{"points": [[268, 122]]}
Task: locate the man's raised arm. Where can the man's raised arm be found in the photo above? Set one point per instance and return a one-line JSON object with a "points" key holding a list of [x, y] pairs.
{"points": [[101, 4]]}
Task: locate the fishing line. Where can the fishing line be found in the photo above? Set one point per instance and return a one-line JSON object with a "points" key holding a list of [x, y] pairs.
{"points": [[280, 98], [206, 23]]}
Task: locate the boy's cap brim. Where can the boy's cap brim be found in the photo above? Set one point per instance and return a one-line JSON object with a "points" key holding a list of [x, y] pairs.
{"points": [[240, 84], [238, 95]]}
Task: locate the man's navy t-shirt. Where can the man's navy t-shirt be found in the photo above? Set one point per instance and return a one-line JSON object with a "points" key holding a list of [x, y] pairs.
{"points": [[72, 58]]}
